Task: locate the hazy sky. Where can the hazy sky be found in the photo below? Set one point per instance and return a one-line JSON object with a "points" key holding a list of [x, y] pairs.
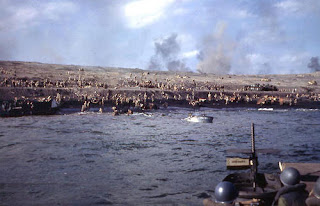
{"points": [[220, 36]]}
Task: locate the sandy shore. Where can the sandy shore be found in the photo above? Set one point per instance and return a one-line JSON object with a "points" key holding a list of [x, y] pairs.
{"points": [[120, 86]]}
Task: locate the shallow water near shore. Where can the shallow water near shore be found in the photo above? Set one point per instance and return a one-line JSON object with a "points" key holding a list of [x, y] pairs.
{"points": [[156, 158]]}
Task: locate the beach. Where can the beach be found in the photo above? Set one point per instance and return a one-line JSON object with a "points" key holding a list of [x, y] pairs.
{"points": [[73, 85]]}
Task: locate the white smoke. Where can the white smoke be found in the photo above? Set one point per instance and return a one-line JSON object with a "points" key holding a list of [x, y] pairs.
{"points": [[216, 53]]}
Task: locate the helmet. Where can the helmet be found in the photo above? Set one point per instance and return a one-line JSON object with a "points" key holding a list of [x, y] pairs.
{"points": [[316, 188], [290, 176], [225, 192]]}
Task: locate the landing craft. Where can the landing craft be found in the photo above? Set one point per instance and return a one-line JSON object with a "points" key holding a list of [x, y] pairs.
{"points": [[199, 118], [253, 185], [265, 109], [47, 106], [256, 188]]}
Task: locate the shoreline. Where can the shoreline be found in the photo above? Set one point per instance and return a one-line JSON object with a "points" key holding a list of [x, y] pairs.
{"points": [[127, 104], [25, 83]]}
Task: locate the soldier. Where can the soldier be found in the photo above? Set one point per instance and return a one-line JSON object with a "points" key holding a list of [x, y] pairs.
{"points": [[314, 197], [115, 111], [225, 195], [209, 96], [293, 193], [85, 106]]}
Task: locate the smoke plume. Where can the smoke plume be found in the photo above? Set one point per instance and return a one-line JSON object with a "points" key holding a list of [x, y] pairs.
{"points": [[314, 64], [166, 55], [216, 53]]}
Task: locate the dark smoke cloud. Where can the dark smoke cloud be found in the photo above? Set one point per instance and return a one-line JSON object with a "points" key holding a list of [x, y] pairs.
{"points": [[314, 64], [177, 65], [167, 47], [166, 55], [154, 63], [216, 53]]}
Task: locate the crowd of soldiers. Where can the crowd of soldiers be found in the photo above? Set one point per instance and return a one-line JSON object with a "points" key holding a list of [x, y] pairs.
{"points": [[172, 84], [154, 99], [47, 83], [149, 90]]}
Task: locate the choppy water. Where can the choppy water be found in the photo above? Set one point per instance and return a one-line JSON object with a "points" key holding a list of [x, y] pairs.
{"points": [[155, 159]]}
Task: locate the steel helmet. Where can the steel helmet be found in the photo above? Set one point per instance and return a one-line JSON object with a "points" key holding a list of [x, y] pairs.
{"points": [[316, 188], [225, 192], [290, 176]]}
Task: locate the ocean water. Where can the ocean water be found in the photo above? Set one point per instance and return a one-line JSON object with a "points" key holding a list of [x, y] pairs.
{"points": [[156, 158]]}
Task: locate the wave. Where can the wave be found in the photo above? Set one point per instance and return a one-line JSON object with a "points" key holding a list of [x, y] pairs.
{"points": [[265, 109], [273, 110], [307, 110]]}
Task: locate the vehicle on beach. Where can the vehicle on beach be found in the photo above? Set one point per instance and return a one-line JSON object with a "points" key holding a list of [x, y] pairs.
{"points": [[260, 87]]}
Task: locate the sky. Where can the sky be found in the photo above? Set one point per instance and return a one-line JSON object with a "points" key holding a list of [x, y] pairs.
{"points": [[207, 36]]}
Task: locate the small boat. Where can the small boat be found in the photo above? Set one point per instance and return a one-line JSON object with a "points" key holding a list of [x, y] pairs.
{"points": [[199, 118], [265, 109]]}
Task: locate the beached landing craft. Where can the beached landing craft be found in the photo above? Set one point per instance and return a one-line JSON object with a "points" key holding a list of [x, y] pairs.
{"points": [[16, 109], [199, 118]]}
